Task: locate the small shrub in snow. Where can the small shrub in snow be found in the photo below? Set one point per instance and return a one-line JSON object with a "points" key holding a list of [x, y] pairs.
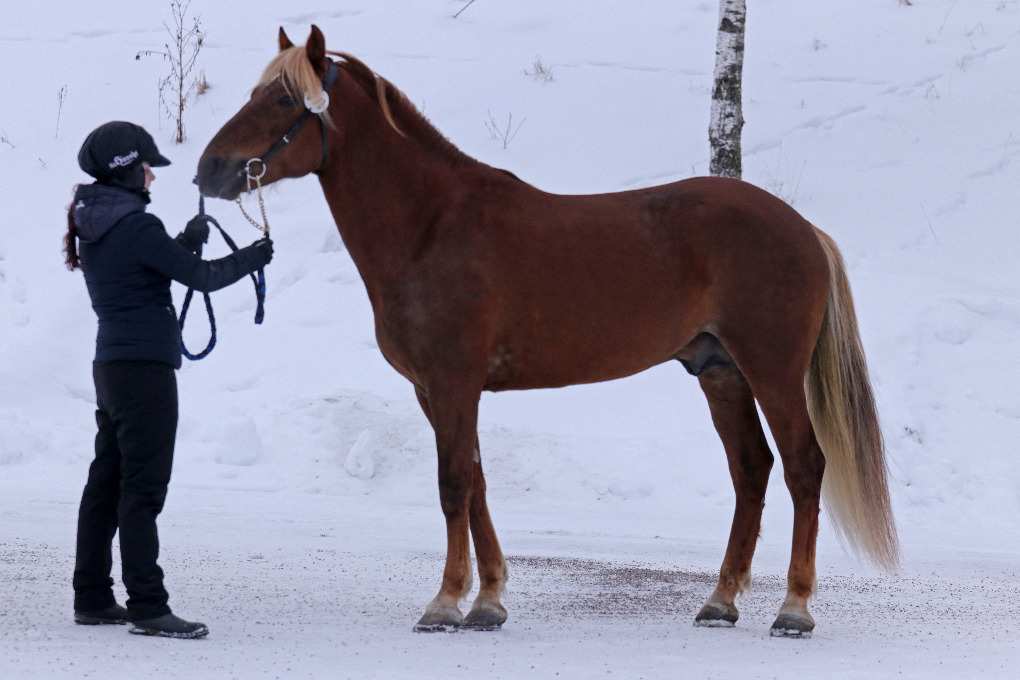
{"points": [[781, 182], [180, 54], [540, 72], [201, 85], [503, 133]]}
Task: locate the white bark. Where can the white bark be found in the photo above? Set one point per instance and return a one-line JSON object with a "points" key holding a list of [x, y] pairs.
{"points": [[727, 118]]}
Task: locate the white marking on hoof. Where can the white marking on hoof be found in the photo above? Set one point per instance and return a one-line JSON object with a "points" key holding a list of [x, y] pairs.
{"points": [[789, 633], [435, 628], [717, 614], [793, 624]]}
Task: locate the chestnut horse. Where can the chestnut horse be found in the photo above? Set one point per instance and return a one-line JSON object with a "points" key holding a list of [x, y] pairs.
{"points": [[480, 281]]}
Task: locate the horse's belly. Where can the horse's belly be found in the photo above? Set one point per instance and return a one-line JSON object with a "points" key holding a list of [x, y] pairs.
{"points": [[558, 356]]}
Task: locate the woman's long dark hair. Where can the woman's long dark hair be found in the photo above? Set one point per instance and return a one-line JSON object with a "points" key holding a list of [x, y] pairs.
{"points": [[71, 240]]}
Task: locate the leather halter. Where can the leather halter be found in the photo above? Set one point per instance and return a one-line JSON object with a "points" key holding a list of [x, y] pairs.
{"points": [[328, 81]]}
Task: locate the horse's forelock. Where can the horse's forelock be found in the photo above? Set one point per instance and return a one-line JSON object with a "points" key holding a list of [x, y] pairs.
{"points": [[292, 68]]}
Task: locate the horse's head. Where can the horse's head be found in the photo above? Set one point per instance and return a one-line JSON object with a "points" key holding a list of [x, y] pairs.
{"points": [[291, 89]]}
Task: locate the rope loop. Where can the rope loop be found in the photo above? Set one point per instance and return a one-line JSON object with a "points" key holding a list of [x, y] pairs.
{"points": [[258, 279]]}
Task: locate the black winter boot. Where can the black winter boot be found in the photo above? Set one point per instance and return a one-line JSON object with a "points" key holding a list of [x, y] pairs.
{"points": [[114, 614], [170, 626]]}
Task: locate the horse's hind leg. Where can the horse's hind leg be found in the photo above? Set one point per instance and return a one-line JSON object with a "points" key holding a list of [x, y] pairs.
{"points": [[803, 465], [487, 613], [778, 384], [750, 461]]}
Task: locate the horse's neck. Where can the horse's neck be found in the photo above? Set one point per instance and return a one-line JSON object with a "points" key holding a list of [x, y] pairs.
{"points": [[382, 195]]}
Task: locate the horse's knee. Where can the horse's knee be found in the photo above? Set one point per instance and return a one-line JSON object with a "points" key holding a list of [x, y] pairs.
{"points": [[454, 495]]}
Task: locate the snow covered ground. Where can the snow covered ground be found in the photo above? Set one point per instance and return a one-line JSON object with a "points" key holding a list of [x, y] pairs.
{"points": [[303, 522]]}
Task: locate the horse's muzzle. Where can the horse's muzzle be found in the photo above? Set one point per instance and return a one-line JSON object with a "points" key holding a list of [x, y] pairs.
{"points": [[220, 177]]}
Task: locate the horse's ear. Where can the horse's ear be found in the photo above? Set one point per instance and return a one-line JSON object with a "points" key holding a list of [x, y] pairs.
{"points": [[316, 47], [285, 43]]}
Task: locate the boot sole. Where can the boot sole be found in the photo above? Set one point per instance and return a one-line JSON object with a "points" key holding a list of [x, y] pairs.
{"points": [[152, 632], [84, 620]]}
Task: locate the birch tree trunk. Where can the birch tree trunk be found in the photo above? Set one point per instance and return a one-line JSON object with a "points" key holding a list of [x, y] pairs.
{"points": [[727, 118]]}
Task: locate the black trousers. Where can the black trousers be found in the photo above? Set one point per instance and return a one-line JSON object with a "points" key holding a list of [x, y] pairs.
{"points": [[127, 485]]}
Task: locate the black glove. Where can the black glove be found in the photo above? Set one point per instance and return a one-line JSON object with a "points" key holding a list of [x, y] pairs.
{"points": [[264, 247], [195, 233]]}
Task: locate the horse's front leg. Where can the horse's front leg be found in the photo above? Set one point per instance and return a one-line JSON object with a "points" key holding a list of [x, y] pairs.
{"points": [[453, 412], [488, 612]]}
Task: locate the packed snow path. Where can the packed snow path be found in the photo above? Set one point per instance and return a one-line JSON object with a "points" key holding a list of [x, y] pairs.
{"points": [[312, 594]]}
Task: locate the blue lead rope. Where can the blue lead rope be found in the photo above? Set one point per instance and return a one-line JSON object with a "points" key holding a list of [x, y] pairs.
{"points": [[258, 279]]}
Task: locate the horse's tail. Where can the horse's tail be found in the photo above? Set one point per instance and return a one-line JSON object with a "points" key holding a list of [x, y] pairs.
{"points": [[845, 420]]}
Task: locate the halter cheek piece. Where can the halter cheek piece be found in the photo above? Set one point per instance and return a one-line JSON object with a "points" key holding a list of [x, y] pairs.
{"points": [[254, 170], [310, 110]]}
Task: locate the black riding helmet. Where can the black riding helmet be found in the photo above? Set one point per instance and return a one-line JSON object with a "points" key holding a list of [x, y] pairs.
{"points": [[113, 153]]}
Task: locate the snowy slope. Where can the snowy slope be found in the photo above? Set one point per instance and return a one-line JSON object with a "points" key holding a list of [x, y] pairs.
{"points": [[893, 128]]}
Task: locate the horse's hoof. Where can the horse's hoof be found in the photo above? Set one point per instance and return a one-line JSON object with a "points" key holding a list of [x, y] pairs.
{"points": [[488, 616], [439, 620], [717, 615], [792, 626], [435, 628]]}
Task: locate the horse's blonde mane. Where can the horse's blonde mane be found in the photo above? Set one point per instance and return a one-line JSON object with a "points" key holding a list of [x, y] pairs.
{"points": [[381, 86], [292, 67]]}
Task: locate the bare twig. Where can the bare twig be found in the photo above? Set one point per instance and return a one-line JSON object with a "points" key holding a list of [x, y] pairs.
{"points": [[463, 9], [61, 96], [945, 19], [503, 134], [4, 139], [930, 227]]}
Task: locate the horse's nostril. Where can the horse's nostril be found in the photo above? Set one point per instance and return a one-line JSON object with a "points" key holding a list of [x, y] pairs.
{"points": [[211, 174], [209, 168], [218, 176]]}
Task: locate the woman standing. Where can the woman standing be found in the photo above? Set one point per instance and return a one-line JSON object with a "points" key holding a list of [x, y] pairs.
{"points": [[129, 261]]}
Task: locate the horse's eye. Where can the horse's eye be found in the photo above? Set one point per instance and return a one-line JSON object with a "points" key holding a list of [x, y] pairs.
{"points": [[286, 100]]}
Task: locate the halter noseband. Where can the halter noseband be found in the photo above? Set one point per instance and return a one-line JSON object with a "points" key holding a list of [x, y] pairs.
{"points": [[327, 84]]}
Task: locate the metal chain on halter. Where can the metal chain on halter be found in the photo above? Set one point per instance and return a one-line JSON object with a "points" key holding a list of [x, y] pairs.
{"points": [[255, 181]]}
